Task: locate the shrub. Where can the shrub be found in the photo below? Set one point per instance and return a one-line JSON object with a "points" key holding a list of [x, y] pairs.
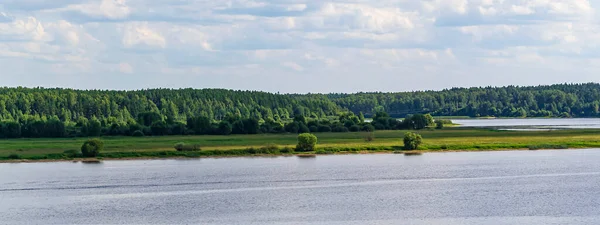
{"points": [[306, 142], [439, 124], [185, 147], [354, 128], [92, 147], [412, 141], [137, 133], [270, 148], [287, 150], [14, 156], [179, 146]]}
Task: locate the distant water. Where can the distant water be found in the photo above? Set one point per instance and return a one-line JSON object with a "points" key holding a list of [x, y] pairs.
{"points": [[532, 124], [518, 187]]}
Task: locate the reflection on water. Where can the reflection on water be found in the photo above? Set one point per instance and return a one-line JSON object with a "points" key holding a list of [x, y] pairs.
{"points": [[517, 187]]}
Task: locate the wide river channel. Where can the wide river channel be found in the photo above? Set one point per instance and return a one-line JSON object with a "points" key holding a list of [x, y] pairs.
{"points": [[512, 187]]}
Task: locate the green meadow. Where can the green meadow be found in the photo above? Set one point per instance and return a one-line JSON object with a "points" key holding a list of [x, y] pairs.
{"points": [[450, 139]]}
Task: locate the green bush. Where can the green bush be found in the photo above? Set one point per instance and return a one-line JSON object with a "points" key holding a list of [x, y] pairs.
{"points": [[92, 147], [412, 141], [14, 156], [181, 147], [439, 124], [137, 133], [270, 149], [306, 142]]}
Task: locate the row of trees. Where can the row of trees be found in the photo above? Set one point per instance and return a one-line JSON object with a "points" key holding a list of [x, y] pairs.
{"points": [[152, 123]]}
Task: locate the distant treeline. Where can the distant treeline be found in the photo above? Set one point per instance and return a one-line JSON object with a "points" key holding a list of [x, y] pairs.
{"points": [[41, 112], [561, 100]]}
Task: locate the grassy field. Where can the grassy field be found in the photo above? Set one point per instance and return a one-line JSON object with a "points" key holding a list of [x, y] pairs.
{"points": [[433, 140]]}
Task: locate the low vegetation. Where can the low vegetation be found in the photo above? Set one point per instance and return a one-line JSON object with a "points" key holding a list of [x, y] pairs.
{"points": [[186, 147]]}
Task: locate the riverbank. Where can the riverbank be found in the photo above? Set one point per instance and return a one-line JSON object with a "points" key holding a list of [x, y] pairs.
{"points": [[451, 139]]}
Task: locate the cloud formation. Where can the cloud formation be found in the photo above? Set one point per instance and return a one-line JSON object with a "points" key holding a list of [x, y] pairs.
{"points": [[298, 45]]}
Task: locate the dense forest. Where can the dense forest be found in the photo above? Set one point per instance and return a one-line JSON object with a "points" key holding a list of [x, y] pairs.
{"points": [[42, 112]]}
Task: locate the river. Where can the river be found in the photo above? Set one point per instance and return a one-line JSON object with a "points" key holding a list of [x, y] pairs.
{"points": [[531, 123], [513, 187]]}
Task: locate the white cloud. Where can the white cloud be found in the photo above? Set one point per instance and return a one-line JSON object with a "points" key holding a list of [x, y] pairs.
{"points": [[28, 29], [105, 9], [125, 68], [293, 65], [140, 36], [360, 17], [237, 43]]}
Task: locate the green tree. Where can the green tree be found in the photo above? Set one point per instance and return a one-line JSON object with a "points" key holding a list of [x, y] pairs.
{"points": [[159, 128], [92, 148], [412, 141], [199, 124], [11, 129], [430, 120], [94, 127], [148, 118], [224, 128], [419, 121], [368, 128], [306, 142]]}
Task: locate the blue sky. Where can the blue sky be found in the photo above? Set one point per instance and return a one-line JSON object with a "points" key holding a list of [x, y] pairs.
{"points": [[298, 45]]}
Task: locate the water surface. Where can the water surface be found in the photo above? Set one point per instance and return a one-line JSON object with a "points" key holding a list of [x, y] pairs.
{"points": [[517, 187], [532, 124]]}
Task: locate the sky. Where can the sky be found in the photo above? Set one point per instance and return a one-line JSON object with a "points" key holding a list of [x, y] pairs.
{"points": [[298, 46]]}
